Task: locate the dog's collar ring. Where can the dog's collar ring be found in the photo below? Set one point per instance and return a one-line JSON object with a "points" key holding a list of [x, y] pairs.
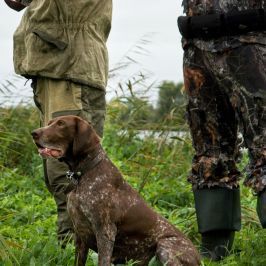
{"points": [[73, 177]]}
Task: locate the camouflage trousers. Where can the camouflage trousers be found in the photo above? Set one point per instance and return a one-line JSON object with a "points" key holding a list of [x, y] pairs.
{"points": [[227, 95], [59, 97]]}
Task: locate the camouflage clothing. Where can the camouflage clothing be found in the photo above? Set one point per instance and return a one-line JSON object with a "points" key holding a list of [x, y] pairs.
{"points": [[204, 7], [225, 80], [25, 2]]}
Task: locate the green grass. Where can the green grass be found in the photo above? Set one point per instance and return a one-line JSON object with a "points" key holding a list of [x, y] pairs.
{"points": [[155, 167]]}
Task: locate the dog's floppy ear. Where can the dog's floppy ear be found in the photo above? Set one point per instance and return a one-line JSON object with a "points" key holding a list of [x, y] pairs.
{"points": [[85, 139]]}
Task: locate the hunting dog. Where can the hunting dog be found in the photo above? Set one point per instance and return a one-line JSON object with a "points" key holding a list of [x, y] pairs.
{"points": [[108, 215]]}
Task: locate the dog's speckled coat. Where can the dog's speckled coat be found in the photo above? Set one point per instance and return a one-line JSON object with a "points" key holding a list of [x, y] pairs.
{"points": [[108, 215]]}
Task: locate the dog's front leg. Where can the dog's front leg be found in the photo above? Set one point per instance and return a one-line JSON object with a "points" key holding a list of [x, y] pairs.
{"points": [[81, 252], [105, 244]]}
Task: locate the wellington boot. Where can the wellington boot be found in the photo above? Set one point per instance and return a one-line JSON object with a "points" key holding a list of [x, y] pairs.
{"points": [[218, 216], [217, 244]]}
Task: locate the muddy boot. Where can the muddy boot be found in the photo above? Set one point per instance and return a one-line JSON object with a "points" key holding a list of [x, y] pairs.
{"points": [[218, 216], [261, 208]]}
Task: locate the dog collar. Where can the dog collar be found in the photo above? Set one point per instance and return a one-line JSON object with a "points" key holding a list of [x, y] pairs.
{"points": [[86, 165]]}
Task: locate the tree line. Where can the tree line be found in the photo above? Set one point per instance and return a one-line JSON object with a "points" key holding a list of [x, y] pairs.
{"points": [[138, 112]]}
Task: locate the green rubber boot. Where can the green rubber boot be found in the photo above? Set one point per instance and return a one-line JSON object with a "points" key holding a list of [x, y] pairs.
{"points": [[218, 216]]}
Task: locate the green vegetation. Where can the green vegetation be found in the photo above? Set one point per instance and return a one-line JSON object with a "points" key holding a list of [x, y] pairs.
{"points": [[156, 165]]}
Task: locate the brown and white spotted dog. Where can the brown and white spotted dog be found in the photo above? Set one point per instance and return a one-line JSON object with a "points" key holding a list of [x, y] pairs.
{"points": [[108, 215]]}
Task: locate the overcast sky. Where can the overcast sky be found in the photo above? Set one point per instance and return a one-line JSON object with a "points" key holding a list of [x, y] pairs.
{"points": [[133, 20]]}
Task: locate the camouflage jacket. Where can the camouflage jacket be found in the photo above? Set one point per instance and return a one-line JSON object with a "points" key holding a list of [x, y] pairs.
{"points": [[25, 2], [204, 7], [64, 39]]}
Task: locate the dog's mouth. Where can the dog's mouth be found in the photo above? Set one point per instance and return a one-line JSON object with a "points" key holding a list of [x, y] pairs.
{"points": [[46, 151]]}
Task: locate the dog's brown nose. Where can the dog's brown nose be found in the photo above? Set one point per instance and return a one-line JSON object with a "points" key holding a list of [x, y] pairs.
{"points": [[35, 134]]}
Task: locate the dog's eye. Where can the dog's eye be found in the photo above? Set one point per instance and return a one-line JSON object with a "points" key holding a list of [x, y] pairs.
{"points": [[60, 123]]}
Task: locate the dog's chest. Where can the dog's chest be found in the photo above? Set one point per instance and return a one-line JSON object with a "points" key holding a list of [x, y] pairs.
{"points": [[91, 201], [81, 222]]}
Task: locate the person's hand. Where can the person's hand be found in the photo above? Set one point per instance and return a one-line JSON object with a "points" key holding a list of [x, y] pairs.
{"points": [[15, 5]]}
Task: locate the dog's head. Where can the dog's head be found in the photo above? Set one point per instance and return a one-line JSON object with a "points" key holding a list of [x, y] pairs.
{"points": [[66, 137]]}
